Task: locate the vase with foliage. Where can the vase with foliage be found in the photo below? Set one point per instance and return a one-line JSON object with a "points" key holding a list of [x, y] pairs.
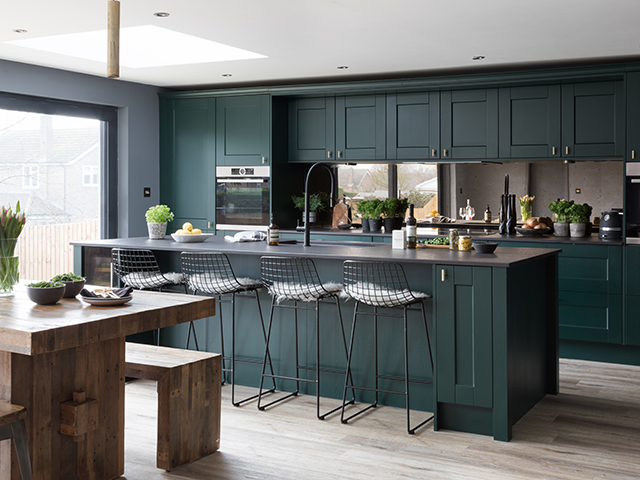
{"points": [[157, 218], [11, 225]]}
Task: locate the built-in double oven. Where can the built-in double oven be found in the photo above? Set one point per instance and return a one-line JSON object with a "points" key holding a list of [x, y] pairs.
{"points": [[242, 198]]}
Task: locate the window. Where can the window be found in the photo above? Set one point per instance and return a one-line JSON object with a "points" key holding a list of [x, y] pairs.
{"points": [[419, 183], [30, 176], [90, 176], [363, 182]]}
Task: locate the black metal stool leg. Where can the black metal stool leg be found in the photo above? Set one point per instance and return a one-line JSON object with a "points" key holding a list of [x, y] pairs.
{"points": [[266, 353], [406, 371], [264, 335], [224, 357], [347, 373], [320, 417], [375, 347], [346, 353], [295, 319]]}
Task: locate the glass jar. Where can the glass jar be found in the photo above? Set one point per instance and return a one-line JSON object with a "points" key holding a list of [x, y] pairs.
{"points": [[453, 239], [464, 243]]}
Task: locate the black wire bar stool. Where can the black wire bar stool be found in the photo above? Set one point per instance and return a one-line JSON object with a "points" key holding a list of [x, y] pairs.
{"points": [[139, 269], [296, 279], [211, 273], [382, 285]]}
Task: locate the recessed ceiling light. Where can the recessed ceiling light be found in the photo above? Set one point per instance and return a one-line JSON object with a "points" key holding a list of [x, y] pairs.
{"points": [[140, 47], [343, 67], [226, 74], [478, 57], [161, 14], [19, 30]]}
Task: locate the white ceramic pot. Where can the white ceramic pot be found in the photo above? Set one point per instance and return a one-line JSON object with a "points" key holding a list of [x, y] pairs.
{"points": [[578, 229], [157, 231], [561, 229]]}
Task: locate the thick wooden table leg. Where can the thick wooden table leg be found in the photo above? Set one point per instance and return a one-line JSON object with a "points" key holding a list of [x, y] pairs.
{"points": [[41, 383]]}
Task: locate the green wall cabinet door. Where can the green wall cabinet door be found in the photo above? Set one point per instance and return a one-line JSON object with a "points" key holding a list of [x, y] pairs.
{"points": [[593, 117], [187, 160], [413, 126], [633, 117], [464, 332], [529, 121], [312, 129], [243, 130], [469, 124], [360, 128]]}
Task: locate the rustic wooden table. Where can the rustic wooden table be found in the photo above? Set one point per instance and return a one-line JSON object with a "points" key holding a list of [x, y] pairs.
{"points": [[65, 364]]}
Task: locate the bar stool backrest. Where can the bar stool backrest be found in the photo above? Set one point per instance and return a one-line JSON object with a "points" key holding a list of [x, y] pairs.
{"points": [[210, 273], [138, 268], [380, 284], [294, 278]]}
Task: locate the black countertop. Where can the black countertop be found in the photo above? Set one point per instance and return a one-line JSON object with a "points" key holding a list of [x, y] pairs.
{"points": [[345, 250], [477, 232]]}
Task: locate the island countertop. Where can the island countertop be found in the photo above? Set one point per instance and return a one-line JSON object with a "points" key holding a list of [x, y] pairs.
{"points": [[330, 250]]}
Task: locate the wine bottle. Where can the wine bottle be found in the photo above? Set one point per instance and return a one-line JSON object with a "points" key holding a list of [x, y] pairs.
{"points": [[412, 225], [273, 233]]}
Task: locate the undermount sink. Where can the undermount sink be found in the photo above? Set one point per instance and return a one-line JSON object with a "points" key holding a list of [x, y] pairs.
{"points": [[322, 243]]}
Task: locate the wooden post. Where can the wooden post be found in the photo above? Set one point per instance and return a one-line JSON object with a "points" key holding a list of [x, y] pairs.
{"points": [[113, 39]]}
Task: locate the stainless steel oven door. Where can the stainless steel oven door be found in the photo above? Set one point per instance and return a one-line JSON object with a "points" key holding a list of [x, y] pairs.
{"points": [[242, 203]]}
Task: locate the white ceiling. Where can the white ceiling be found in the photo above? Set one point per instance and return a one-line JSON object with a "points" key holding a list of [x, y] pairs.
{"points": [[306, 40]]}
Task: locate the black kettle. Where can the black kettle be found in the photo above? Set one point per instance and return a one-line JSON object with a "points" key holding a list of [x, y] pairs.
{"points": [[610, 225]]}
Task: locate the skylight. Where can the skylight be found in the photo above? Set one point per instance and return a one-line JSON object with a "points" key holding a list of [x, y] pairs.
{"points": [[140, 47]]}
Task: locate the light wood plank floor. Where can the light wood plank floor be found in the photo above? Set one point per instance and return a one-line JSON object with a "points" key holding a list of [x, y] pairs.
{"points": [[591, 430]]}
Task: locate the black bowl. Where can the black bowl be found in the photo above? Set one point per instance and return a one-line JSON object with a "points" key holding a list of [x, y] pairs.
{"points": [[45, 296], [488, 247], [73, 288]]}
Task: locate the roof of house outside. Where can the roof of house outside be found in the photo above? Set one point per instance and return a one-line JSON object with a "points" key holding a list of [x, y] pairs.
{"points": [[28, 146]]}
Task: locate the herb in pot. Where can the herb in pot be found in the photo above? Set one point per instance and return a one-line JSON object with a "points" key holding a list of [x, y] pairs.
{"points": [[158, 214], [68, 277], [46, 285]]}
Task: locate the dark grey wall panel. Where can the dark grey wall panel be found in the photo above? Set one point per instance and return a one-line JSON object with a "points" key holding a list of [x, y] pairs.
{"points": [[138, 128]]}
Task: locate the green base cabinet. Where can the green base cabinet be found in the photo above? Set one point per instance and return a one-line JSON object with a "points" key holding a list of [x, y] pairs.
{"points": [[495, 357], [632, 297], [188, 161]]}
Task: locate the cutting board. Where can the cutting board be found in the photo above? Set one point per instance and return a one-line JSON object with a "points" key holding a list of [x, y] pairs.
{"points": [[340, 214]]}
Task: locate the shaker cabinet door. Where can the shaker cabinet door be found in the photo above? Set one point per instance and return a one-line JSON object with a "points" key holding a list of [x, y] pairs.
{"points": [[413, 126], [469, 124], [360, 128], [530, 122], [187, 160], [312, 130], [633, 117], [243, 130], [593, 117]]}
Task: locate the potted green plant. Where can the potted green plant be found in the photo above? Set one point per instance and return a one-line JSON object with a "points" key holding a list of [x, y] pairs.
{"points": [[579, 217], [560, 208], [317, 204], [394, 211], [157, 218]]}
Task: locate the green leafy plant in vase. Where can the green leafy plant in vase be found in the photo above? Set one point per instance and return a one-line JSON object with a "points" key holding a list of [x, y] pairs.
{"points": [[579, 218], [526, 203], [560, 208], [317, 204], [11, 226], [157, 218]]}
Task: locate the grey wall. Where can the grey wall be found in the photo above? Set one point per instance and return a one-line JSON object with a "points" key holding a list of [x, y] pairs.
{"points": [[600, 184], [138, 128]]}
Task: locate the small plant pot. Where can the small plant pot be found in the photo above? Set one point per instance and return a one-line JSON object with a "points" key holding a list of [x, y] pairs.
{"points": [[577, 229], [375, 225], [157, 231], [45, 296], [312, 217], [365, 224], [391, 224], [561, 229]]}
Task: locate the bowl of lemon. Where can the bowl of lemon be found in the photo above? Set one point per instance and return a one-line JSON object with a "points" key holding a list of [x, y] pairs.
{"points": [[188, 234]]}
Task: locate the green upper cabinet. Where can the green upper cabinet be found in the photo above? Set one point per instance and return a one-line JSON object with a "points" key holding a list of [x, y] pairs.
{"points": [[312, 131], [360, 128], [463, 313], [187, 160], [469, 124], [633, 117], [243, 130], [593, 119], [413, 126], [530, 122]]}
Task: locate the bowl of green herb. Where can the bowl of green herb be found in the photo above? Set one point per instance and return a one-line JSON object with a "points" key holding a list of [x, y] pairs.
{"points": [[73, 283], [45, 293]]}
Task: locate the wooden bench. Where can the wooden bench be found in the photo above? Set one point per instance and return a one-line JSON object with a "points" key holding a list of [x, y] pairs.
{"points": [[188, 399], [12, 427]]}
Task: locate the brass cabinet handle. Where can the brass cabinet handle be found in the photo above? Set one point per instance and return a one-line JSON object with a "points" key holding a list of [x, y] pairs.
{"points": [[445, 152], [339, 154], [553, 150], [263, 160], [443, 274], [433, 152], [328, 154], [209, 223], [566, 151]]}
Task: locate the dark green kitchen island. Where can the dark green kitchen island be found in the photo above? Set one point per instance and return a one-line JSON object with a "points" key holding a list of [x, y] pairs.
{"points": [[494, 324]]}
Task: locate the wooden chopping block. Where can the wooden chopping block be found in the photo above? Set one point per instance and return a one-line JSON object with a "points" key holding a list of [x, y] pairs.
{"points": [[340, 214]]}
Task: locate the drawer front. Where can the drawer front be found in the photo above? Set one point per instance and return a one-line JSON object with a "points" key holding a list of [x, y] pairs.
{"points": [[590, 317]]}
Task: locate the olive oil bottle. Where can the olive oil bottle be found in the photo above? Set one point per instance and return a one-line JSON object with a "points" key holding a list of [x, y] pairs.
{"points": [[273, 233]]}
